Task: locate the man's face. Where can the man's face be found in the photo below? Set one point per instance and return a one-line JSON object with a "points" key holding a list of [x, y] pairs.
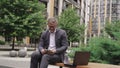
{"points": [[52, 26]]}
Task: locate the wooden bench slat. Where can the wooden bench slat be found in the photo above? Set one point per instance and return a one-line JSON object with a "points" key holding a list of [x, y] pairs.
{"points": [[90, 65], [59, 64]]}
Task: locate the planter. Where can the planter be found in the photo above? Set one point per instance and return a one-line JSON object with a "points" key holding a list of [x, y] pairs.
{"points": [[22, 53], [13, 53]]}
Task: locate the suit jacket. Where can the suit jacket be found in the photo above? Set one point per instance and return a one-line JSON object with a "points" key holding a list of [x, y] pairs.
{"points": [[61, 42]]}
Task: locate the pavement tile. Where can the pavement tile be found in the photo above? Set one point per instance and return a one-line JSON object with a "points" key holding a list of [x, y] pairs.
{"points": [[16, 62]]}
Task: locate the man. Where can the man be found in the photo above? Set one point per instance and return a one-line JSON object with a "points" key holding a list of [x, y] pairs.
{"points": [[52, 46]]}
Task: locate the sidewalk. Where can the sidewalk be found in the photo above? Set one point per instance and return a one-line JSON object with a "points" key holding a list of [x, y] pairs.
{"points": [[16, 62]]}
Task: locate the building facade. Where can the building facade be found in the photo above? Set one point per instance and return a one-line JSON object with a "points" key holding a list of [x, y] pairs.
{"points": [[93, 13]]}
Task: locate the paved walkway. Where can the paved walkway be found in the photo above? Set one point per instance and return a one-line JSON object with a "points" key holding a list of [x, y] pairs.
{"points": [[16, 62]]}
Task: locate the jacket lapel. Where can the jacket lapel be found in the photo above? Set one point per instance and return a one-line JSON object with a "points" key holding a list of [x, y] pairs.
{"points": [[56, 36], [48, 38]]}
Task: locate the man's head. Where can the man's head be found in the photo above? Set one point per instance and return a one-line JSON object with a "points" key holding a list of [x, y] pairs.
{"points": [[52, 24]]}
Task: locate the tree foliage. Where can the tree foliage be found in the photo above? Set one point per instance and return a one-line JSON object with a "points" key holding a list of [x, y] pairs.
{"points": [[113, 30], [21, 18], [106, 49], [70, 21]]}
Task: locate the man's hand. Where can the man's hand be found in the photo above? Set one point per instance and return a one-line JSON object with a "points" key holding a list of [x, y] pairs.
{"points": [[53, 51], [43, 51]]}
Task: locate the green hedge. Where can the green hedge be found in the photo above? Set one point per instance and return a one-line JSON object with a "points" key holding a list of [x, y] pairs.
{"points": [[72, 50], [104, 50], [2, 42]]}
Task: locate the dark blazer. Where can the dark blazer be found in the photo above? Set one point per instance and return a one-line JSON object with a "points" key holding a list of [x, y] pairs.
{"points": [[60, 41]]}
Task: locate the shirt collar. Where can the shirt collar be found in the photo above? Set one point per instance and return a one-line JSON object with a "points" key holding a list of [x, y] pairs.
{"points": [[53, 32]]}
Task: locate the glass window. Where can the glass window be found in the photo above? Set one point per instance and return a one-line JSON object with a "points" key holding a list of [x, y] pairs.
{"points": [[56, 5]]}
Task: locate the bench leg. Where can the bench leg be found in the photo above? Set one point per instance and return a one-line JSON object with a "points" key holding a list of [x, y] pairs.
{"points": [[60, 67]]}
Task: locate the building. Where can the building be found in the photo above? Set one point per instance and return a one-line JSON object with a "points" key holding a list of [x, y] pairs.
{"points": [[94, 13]]}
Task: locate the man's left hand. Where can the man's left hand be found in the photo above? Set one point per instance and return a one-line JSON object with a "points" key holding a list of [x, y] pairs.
{"points": [[52, 51]]}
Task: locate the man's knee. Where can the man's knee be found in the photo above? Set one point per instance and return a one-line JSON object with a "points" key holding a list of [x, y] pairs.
{"points": [[35, 54], [46, 56]]}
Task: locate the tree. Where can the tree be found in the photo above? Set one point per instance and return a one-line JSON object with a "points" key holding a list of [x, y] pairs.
{"points": [[113, 30], [70, 21], [20, 18]]}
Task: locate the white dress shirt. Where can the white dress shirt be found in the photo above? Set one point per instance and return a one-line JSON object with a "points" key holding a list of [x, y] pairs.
{"points": [[52, 45]]}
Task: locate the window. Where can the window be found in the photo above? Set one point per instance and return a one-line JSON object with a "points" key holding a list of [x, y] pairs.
{"points": [[56, 5]]}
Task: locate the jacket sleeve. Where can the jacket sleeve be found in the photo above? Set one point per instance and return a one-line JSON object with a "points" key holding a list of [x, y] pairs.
{"points": [[41, 43], [64, 43]]}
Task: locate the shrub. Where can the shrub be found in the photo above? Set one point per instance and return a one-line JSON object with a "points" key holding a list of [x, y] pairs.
{"points": [[2, 42], [104, 50], [74, 49], [69, 20]]}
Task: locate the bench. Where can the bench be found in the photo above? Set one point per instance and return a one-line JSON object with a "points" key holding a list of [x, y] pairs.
{"points": [[90, 65], [61, 65]]}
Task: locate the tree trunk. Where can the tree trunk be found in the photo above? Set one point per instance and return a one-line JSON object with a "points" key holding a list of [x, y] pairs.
{"points": [[13, 43], [35, 44]]}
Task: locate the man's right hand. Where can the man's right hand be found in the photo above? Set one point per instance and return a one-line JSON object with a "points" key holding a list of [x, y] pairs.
{"points": [[43, 51]]}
